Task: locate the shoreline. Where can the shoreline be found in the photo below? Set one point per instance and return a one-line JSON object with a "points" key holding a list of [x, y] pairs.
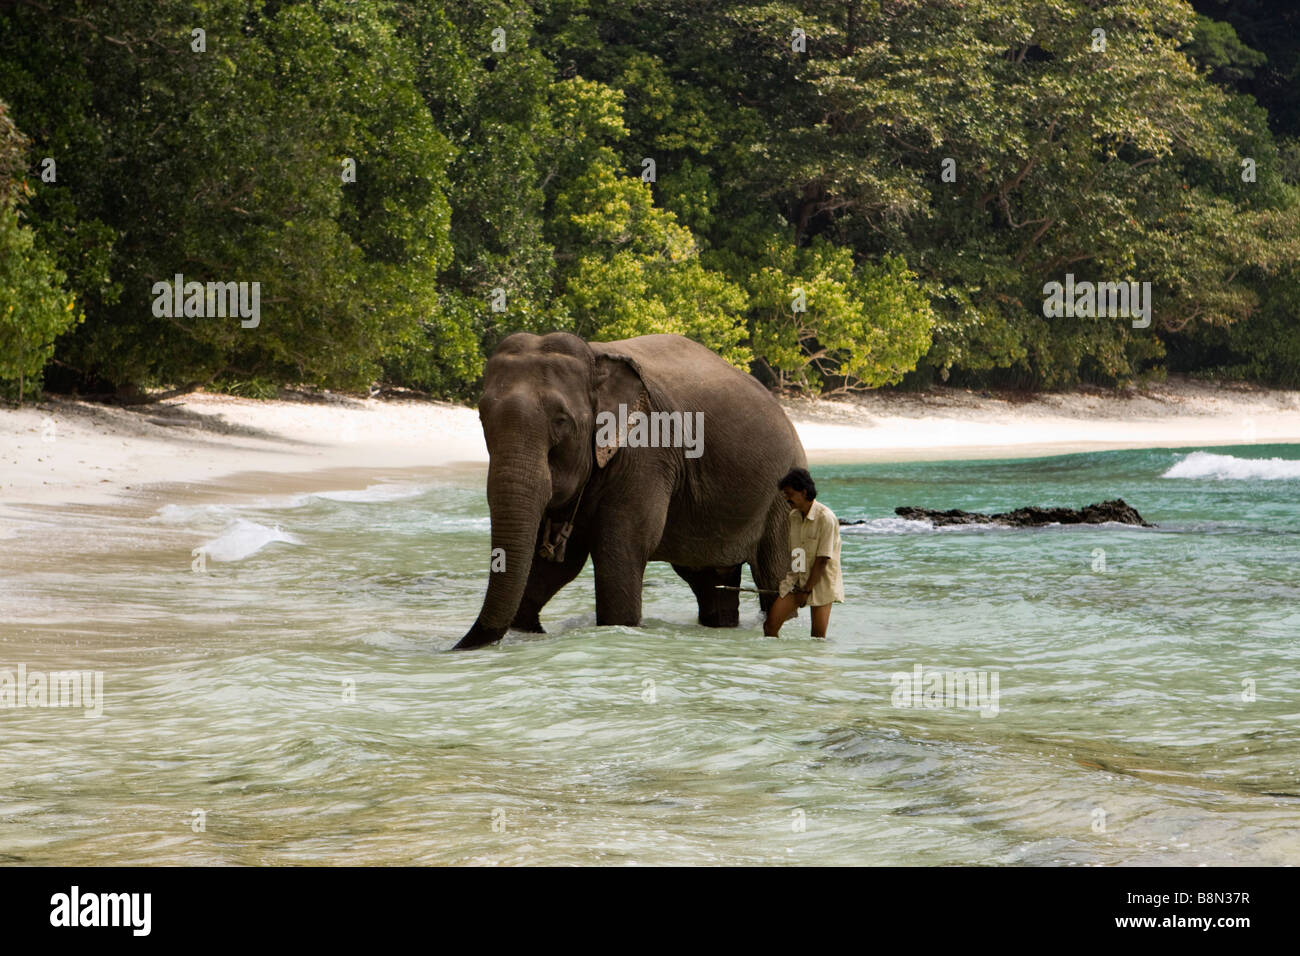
{"points": [[65, 452]]}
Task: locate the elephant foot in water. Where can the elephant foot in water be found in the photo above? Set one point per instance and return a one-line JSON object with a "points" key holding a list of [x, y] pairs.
{"points": [[528, 621], [718, 608], [479, 635]]}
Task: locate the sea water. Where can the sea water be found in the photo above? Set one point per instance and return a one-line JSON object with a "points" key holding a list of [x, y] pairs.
{"points": [[277, 686]]}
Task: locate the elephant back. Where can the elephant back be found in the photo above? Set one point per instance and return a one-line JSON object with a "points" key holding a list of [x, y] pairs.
{"points": [[746, 430]]}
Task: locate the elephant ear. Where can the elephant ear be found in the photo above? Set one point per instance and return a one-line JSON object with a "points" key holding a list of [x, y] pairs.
{"points": [[617, 381]]}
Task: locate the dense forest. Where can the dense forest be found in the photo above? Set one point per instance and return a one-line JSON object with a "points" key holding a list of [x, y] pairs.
{"points": [[835, 194]]}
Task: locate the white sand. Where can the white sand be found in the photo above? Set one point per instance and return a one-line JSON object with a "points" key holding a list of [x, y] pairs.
{"points": [[80, 453], [957, 423]]}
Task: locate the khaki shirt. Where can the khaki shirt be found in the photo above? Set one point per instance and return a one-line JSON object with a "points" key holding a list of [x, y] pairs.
{"points": [[819, 536]]}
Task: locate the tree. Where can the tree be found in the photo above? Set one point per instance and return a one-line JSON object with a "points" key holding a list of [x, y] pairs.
{"points": [[220, 157], [34, 307]]}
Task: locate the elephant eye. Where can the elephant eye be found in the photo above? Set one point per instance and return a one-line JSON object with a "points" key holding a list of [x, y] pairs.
{"points": [[561, 426]]}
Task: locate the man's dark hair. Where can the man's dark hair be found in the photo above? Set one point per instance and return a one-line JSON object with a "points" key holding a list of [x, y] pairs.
{"points": [[798, 479]]}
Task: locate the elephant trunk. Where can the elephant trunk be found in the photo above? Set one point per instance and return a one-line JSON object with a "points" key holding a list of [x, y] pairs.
{"points": [[518, 490]]}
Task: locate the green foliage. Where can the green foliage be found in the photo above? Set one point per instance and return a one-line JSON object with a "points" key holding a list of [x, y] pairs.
{"points": [[1271, 29], [34, 307], [1216, 47], [1264, 348], [444, 353], [245, 388], [628, 295], [1122, 162], [248, 187], [920, 170], [626, 266], [497, 110], [814, 314]]}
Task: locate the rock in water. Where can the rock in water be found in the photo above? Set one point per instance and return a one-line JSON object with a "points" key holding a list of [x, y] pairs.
{"points": [[1117, 510]]}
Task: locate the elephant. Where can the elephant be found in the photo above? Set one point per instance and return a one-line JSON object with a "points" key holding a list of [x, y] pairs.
{"points": [[565, 484]]}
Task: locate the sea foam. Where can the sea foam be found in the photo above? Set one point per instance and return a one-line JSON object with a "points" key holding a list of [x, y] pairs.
{"points": [[374, 493], [242, 538], [896, 525], [174, 514], [1204, 464]]}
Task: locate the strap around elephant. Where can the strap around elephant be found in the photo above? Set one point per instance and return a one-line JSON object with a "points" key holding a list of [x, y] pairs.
{"points": [[552, 549]]}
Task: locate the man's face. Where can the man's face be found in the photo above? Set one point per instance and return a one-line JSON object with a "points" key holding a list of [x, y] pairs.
{"points": [[796, 499]]}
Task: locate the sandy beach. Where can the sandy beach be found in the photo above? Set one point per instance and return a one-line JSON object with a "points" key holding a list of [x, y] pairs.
{"points": [[65, 451]]}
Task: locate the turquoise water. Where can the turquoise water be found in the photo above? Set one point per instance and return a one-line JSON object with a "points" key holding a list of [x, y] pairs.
{"points": [[298, 693]]}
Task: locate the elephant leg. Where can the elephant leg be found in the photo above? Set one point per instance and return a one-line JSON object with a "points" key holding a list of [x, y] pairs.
{"points": [[717, 608], [618, 589], [545, 578], [772, 561], [619, 553]]}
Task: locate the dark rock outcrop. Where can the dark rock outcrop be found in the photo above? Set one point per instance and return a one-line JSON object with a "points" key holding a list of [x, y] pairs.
{"points": [[1117, 510]]}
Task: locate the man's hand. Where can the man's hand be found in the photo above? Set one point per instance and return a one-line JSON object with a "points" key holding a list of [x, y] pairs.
{"points": [[818, 569], [800, 596]]}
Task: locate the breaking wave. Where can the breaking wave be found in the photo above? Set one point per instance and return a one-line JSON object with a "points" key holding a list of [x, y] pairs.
{"points": [[242, 538], [1204, 464]]}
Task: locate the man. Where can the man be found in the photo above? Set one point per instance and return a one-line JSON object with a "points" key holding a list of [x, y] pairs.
{"points": [[814, 578]]}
